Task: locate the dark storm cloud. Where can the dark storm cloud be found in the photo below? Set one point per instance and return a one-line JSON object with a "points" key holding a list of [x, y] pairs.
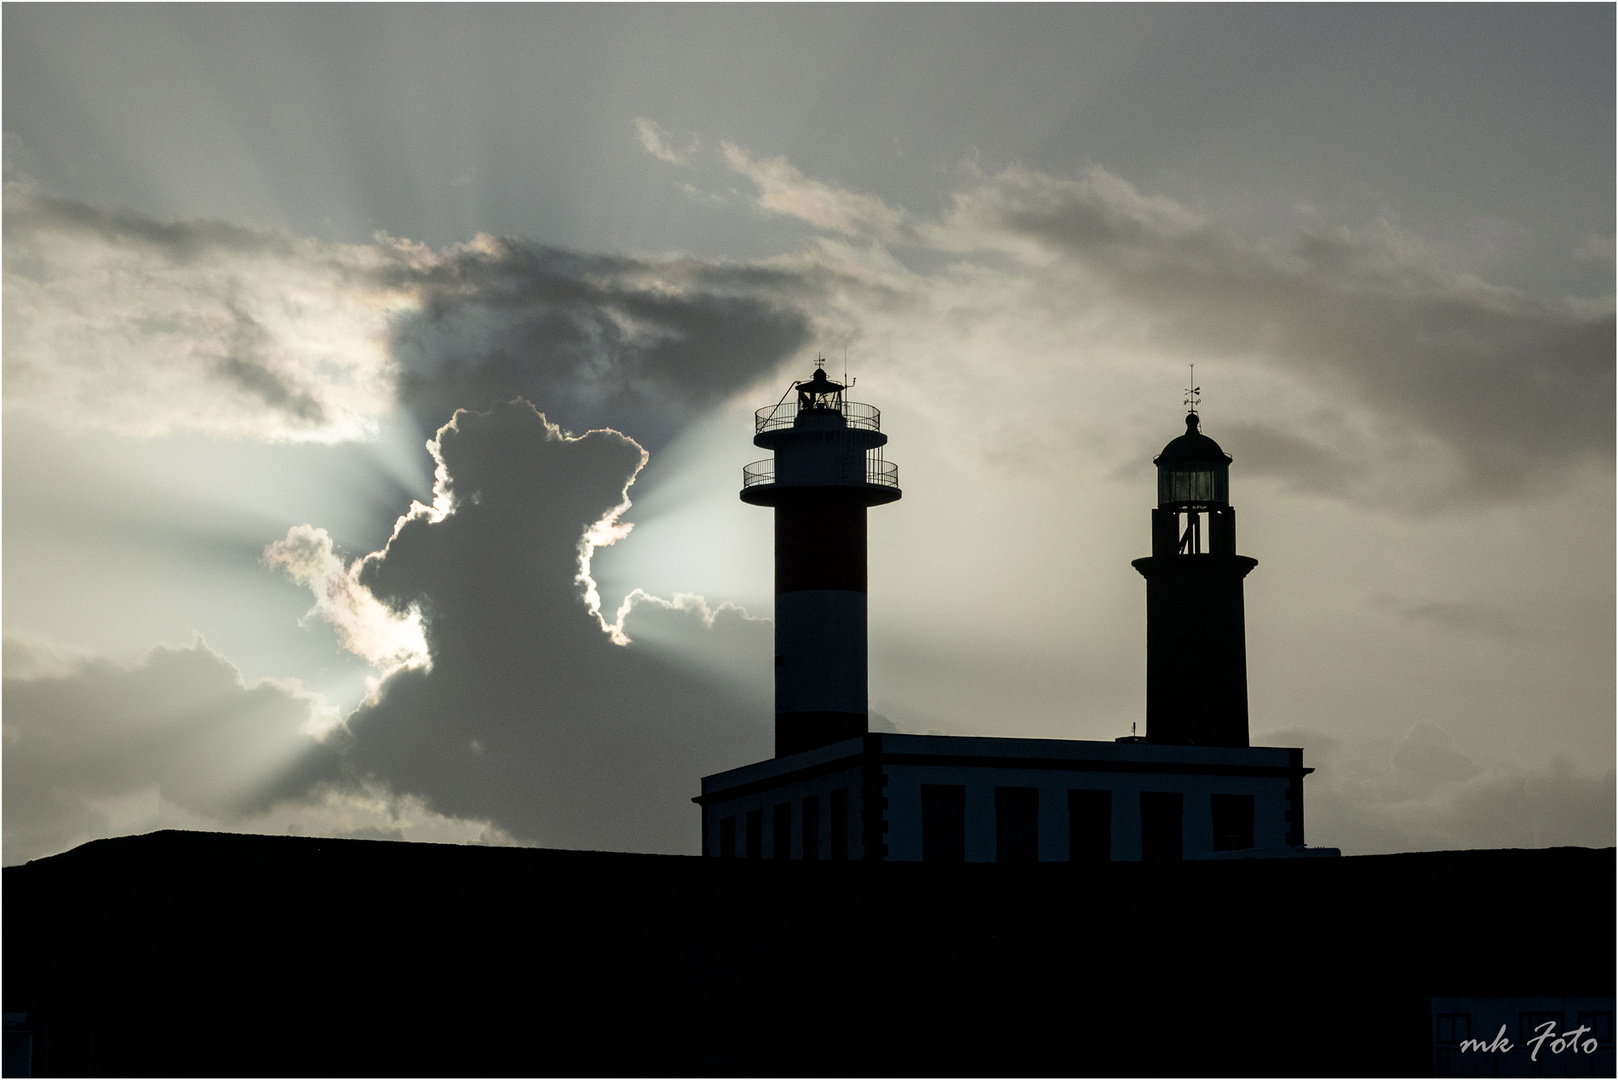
{"points": [[530, 716], [81, 731], [118, 321], [1517, 386], [603, 340]]}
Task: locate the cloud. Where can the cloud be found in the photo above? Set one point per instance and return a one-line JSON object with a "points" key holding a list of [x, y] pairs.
{"points": [[784, 190], [660, 144], [115, 321], [83, 732], [1393, 357], [603, 340], [1389, 356], [118, 322], [537, 715], [1423, 792], [536, 720], [365, 626], [1098, 212], [1512, 386], [563, 727]]}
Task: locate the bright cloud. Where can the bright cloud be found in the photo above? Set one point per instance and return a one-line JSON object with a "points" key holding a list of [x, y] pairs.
{"points": [[120, 323], [367, 628], [785, 190]]}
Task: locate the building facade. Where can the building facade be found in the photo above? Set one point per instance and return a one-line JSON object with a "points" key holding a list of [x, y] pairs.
{"points": [[1190, 788], [910, 798]]}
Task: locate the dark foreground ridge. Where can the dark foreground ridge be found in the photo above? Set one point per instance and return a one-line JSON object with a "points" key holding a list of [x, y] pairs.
{"points": [[193, 953]]}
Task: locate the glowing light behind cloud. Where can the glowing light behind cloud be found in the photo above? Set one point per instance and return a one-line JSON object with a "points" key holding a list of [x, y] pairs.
{"points": [[367, 627]]}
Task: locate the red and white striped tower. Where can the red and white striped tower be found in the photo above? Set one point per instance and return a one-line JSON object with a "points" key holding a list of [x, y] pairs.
{"points": [[828, 467]]}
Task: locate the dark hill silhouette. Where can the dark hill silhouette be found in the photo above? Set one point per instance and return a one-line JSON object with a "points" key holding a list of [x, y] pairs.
{"points": [[191, 953]]}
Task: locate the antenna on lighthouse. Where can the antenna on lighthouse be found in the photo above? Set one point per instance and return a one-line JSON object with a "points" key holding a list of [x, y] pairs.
{"points": [[1193, 393]]}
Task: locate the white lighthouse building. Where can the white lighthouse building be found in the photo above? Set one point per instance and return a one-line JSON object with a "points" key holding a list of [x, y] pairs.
{"points": [[1190, 788]]}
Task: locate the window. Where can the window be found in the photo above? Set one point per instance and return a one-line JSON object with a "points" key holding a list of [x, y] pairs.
{"points": [[727, 838], [811, 828], [943, 823], [1016, 817], [1600, 1025], [839, 825], [1232, 822], [1454, 1028], [1160, 826], [1089, 826], [755, 834], [781, 833]]}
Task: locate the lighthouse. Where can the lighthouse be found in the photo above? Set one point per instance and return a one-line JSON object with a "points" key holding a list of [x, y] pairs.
{"points": [[1191, 788], [826, 470], [1196, 637]]}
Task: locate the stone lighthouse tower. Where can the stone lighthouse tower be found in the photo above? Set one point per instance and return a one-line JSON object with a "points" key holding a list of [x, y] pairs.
{"points": [[827, 469], [1196, 637]]}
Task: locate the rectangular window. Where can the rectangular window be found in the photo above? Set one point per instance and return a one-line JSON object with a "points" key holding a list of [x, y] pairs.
{"points": [[1089, 826], [1453, 1028], [943, 823], [811, 828], [755, 834], [1016, 819], [727, 838], [839, 825], [1232, 822], [781, 833], [1160, 826]]}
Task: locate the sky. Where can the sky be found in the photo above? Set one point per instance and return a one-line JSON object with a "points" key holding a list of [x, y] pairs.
{"points": [[377, 383]]}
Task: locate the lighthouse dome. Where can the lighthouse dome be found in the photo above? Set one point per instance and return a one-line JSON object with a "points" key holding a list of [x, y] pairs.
{"points": [[1192, 470], [1191, 447]]}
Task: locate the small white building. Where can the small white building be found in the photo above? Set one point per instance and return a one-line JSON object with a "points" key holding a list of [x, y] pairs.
{"points": [[909, 798]]}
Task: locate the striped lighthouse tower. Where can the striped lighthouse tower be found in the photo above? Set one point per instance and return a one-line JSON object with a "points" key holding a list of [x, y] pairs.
{"points": [[827, 469]]}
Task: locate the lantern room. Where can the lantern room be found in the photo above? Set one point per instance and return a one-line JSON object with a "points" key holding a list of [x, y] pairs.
{"points": [[1193, 496]]}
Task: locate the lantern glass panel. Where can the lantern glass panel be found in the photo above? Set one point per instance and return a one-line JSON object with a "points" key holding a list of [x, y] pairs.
{"points": [[1197, 484]]}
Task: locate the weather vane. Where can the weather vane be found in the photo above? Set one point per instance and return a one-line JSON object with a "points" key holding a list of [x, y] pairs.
{"points": [[1193, 393]]}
